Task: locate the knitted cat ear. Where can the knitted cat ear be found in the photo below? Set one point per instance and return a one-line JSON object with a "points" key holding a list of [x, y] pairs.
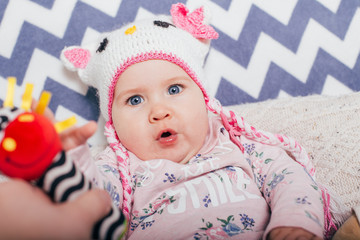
{"points": [[75, 58], [196, 22]]}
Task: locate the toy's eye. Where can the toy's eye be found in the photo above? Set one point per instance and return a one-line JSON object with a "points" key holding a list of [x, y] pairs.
{"points": [[103, 45], [9, 144], [162, 24]]}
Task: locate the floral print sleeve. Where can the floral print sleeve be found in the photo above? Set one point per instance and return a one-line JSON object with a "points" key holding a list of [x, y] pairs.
{"points": [[101, 170], [293, 196]]}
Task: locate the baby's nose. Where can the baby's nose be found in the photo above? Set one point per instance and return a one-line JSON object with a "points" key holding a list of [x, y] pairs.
{"points": [[159, 113]]}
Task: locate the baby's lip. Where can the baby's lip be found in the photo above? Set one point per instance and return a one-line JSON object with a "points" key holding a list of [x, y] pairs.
{"points": [[167, 136]]}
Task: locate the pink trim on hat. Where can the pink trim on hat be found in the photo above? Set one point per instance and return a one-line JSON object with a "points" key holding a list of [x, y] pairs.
{"points": [[152, 56]]}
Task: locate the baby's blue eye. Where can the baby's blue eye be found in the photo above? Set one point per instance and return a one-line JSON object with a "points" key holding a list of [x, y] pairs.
{"points": [[175, 89], [135, 100]]}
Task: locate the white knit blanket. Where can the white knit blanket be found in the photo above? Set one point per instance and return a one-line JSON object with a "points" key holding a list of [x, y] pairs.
{"points": [[328, 128]]}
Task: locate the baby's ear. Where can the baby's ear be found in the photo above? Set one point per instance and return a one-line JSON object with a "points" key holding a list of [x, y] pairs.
{"points": [[75, 58]]}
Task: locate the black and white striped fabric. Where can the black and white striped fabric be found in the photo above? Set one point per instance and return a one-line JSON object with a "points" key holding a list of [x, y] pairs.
{"points": [[63, 181]]}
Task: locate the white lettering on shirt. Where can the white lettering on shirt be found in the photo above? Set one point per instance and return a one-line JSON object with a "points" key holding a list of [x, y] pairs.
{"points": [[219, 186]]}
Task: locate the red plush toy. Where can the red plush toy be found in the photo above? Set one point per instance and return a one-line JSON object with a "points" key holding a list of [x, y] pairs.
{"points": [[30, 148], [29, 145]]}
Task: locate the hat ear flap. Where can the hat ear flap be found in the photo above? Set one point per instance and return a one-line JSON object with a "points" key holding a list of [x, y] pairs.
{"points": [[75, 58]]}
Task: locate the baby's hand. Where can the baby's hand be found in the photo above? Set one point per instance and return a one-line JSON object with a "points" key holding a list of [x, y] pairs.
{"points": [[74, 136], [290, 233]]}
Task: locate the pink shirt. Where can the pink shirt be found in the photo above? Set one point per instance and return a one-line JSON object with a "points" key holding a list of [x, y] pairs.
{"points": [[221, 193]]}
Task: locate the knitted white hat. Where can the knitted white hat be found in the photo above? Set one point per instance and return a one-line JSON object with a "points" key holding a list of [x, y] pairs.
{"points": [[182, 39]]}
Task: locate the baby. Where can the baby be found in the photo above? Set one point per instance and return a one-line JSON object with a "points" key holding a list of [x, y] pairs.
{"points": [[176, 171]]}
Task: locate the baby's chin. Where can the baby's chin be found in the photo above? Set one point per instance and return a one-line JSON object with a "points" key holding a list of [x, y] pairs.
{"points": [[177, 158]]}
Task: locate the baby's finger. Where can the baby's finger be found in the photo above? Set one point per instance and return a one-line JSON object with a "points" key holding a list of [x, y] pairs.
{"points": [[77, 136]]}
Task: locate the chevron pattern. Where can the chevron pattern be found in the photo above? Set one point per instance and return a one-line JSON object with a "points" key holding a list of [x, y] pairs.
{"points": [[266, 49]]}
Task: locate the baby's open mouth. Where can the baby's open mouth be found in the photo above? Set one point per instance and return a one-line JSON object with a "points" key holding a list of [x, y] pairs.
{"points": [[165, 134], [167, 137]]}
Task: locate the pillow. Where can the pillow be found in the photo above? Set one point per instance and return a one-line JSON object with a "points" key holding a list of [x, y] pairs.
{"points": [[327, 127]]}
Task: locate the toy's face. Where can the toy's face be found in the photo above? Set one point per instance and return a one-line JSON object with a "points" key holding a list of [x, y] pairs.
{"points": [[28, 146]]}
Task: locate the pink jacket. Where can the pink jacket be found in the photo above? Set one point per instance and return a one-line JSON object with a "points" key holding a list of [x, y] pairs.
{"points": [[221, 193]]}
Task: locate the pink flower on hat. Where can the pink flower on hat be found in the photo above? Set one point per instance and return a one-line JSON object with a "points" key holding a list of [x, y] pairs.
{"points": [[192, 22]]}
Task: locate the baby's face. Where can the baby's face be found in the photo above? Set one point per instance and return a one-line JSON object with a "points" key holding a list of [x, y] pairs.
{"points": [[158, 112]]}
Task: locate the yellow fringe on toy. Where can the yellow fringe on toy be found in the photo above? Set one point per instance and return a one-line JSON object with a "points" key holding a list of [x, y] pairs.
{"points": [[63, 125], [9, 100], [43, 102], [41, 106], [27, 97]]}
